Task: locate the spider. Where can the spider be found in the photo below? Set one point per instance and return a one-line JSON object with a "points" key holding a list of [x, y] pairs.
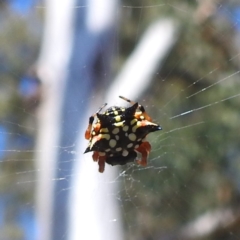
{"points": [[119, 134]]}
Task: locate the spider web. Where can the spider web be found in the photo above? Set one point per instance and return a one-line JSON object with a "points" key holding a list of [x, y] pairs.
{"points": [[191, 182]]}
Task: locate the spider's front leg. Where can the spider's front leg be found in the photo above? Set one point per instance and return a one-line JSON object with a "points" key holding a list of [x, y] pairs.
{"points": [[89, 128], [144, 149], [96, 128]]}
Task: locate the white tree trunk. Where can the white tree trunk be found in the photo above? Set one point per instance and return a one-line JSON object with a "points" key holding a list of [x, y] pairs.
{"points": [[51, 69]]}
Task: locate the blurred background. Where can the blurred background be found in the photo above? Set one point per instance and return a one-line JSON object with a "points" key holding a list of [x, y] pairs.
{"points": [[61, 60]]}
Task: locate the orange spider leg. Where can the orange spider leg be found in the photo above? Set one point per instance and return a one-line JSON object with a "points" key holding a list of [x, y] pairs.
{"points": [[146, 116], [144, 149], [101, 163], [96, 127], [89, 128], [147, 146], [95, 156], [88, 132]]}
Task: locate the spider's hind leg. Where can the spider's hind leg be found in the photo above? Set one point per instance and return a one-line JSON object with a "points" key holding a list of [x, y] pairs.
{"points": [[101, 162], [141, 108], [144, 149]]}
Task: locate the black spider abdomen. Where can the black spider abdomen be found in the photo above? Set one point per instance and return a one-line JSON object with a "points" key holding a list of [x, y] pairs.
{"points": [[121, 160]]}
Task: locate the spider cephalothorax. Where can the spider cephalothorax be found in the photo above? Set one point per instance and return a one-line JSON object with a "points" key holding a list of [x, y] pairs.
{"points": [[118, 134]]}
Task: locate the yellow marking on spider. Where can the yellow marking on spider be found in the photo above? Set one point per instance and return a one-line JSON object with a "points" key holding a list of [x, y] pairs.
{"points": [[130, 145], [115, 131], [125, 128], [136, 126], [119, 124], [112, 143], [124, 153], [132, 136], [133, 121], [104, 130], [118, 118], [106, 136]]}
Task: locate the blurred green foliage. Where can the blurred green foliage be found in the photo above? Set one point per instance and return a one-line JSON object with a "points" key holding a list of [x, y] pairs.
{"points": [[190, 169], [19, 41]]}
